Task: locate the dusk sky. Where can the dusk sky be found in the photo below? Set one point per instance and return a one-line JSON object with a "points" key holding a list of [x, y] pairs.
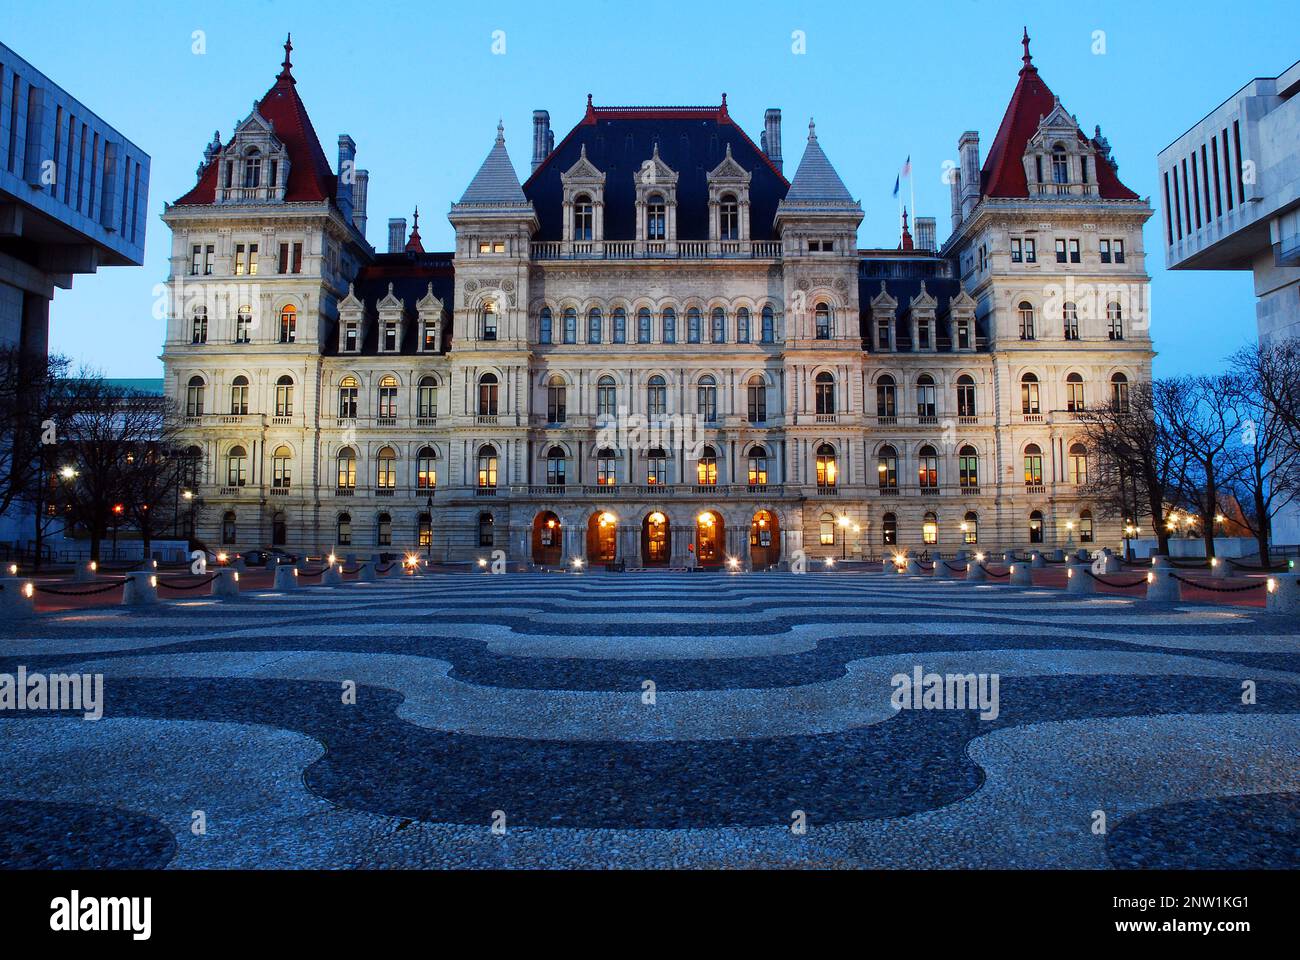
{"points": [[420, 89]]}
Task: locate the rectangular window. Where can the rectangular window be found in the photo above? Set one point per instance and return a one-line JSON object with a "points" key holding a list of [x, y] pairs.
{"points": [[1074, 251], [1031, 255], [239, 260], [1103, 250], [1015, 250], [1118, 246], [1060, 251], [1196, 192], [390, 337], [1218, 190], [297, 258], [284, 258], [1236, 146], [196, 262], [209, 255], [1169, 215], [1227, 170], [350, 338]]}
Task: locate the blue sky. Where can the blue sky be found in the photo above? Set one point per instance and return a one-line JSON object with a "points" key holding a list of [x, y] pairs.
{"points": [[419, 88]]}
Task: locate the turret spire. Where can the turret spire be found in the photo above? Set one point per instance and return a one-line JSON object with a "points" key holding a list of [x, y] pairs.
{"points": [[1028, 60], [286, 68]]}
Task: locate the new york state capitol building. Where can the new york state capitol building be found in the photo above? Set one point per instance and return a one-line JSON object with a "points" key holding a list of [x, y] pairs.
{"points": [[657, 349]]}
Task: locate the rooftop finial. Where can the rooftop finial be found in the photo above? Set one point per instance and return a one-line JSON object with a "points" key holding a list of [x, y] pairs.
{"points": [[1024, 40], [501, 131], [286, 68], [417, 217], [812, 129]]}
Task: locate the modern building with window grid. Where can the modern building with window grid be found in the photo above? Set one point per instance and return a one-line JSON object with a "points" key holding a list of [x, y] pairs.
{"points": [[660, 348]]}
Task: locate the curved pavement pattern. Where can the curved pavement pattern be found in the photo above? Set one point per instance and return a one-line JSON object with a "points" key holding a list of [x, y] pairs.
{"points": [[526, 700]]}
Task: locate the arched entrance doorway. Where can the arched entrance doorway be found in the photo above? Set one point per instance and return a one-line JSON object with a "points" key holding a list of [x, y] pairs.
{"points": [[602, 537], [764, 540], [547, 541], [709, 539], [655, 539]]}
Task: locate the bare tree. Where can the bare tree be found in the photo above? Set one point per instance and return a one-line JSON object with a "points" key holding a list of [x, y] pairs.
{"points": [[29, 421], [1202, 422]]}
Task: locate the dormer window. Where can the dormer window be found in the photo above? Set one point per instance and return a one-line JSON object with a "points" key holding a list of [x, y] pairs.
{"points": [[252, 169], [729, 218], [1060, 164], [351, 337], [656, 218], [584, 217], [390, 336]]}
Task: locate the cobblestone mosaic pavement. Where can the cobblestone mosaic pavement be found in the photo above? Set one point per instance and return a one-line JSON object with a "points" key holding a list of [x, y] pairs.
{"points": [[521, 700]]}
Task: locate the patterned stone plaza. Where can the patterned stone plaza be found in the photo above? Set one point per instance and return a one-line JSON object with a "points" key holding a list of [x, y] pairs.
{"points": [[656, 720]]}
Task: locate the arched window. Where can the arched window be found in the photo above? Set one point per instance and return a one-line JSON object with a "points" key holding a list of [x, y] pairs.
{"points": [[252, 169], [1033, 465], [1119, 392], [1078, 464], [707, 398], [239, 396], [343, 530], [1060, 164], [606, 467], [620, 325], [966, 396], [927, 461], [486, 530], [555, 465], [228, 528], [194, 396], [244, 324], [387, 398], [742, 325], [426, 400], [1029, 394], [826, 529], [282, 468], [827, 469], [348, 392], [570, 325], [718, 325], [426, 470], [1115, 318], [970, 528], [556, 400], [425, 526], [199, 334], [288, 323], [930, 529], [284, 396], [968, 468], [1074, 393], [706, 470], [545, 324], [279, 529], [386, 469], [927, 407], [757, 467], [769, 325], [822, 318], [887, 468], [595, 321], [236, 467], [606, 397], [656, 218], [1036, 527], [384, 530], [1070, 316], [643, 325], [756, 399], [347, 472], [1085, 527], [656, 466], [889, 530], [886, 397], [693, 325], [488, 321], [487, 395], [583, 217], [669, 319], [487, 467], [729, 218], [824, 393], [656, 396], [1026, 320]]}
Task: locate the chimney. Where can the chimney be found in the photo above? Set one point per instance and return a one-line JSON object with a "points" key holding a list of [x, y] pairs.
{"points": [[347, 174], [543, 139], [925, 233], [359, 190], [968, 148], [396, 234], [772, 135], [954, 187]]}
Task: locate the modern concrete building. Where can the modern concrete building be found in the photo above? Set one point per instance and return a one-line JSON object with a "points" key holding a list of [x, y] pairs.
{"points": [[1230, 191], [656, 349]]}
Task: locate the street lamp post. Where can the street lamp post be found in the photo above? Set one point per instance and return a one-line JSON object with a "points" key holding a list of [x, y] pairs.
{"points": [[844, 536], [428, 505]]}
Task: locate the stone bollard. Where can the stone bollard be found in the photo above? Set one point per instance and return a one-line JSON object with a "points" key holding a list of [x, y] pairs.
{"points": [[975, 570], [83, 572], [1162, 587], [961, 556], [1283, 594], [1079, 579], [1058, 556], [365, 571], [914, 568], [1037, 561], [1159, 560], [1022, 574], [333, 575], [886, 566], [286, 577], [17, 600], [1220, 569], [141, 588], [1109, 563], [226, 584]]}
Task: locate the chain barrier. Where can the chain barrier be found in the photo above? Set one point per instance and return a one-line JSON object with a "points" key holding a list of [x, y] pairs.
{"points": [[188, 586], [80, 593], [1112, 583], [1202, 586]]}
